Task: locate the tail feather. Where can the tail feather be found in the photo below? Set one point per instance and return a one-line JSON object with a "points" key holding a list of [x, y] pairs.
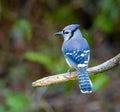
{"points": [[85, 83]]}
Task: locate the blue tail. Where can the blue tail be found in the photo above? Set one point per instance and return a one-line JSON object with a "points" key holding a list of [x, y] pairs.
{"points": [[85, 83]]}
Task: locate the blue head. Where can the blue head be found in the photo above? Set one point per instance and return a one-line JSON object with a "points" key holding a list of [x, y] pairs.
{"points": [[69, 31]]}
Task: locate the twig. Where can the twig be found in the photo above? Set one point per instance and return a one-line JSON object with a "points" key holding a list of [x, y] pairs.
{"points": [[66, 76]]}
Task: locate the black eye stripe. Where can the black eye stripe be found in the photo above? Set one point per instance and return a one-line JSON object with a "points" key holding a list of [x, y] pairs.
{"points": [[65, 32], [72, 33]]}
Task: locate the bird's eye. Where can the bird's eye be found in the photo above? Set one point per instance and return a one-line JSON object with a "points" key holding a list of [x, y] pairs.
{"points": [[66, 32]]}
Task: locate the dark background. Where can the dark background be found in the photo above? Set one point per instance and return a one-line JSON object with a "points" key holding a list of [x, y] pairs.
{"points": [[29, 51]]}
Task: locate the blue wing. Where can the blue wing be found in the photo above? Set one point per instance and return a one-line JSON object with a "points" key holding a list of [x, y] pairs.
{"points": [[78, 58]]}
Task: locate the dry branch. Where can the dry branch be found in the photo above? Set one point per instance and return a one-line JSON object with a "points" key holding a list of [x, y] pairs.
{"points": [[66, 76]]}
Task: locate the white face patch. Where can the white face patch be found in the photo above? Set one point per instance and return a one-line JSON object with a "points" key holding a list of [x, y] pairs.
{"points": [[66, 34]]}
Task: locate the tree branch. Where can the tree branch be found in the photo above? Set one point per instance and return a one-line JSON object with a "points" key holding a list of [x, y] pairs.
{"points": [[66, 76]]}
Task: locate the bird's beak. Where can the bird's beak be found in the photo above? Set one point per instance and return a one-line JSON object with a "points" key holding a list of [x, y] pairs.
{"points": [[58, 33]]}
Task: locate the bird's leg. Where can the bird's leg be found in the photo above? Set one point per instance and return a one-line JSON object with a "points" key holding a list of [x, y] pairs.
{"points": [[69, 71]]}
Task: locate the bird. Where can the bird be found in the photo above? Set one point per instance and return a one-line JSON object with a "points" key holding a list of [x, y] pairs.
{"points": [[76, 51]]}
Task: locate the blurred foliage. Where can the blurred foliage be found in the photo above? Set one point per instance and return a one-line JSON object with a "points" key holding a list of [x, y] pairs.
{"points": [[27, 49], [99, 81], [87, 37], [16, 102], [18, 72], [21, 28], [48, 61], [67, 14], [108, 15]]}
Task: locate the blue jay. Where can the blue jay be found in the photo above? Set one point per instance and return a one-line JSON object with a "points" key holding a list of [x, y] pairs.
{"points": [[77, 52]]}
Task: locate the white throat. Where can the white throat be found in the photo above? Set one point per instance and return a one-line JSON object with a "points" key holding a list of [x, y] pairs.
{"points": [[66, 38]]}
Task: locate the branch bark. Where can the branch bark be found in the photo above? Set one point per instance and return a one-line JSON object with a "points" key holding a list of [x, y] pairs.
{"points": [[66, 76]]}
